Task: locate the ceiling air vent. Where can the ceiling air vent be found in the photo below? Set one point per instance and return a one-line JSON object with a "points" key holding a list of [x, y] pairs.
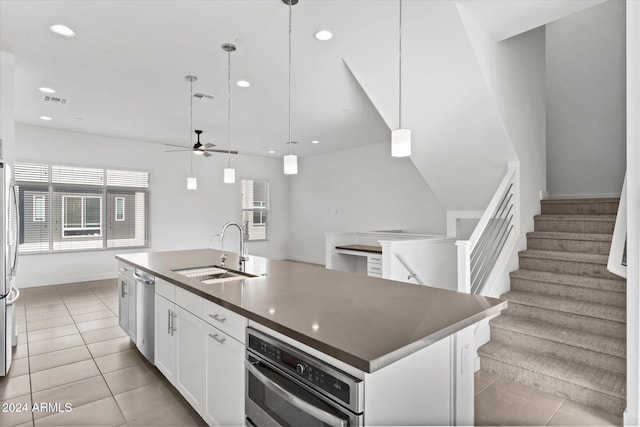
{"points": [[55, 100], [203, 96]]}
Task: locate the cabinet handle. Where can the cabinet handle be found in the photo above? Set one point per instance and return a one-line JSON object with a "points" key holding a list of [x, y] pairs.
{"points": [[217, 338], [169, 325], [218, 318], [173, 328], [122, 292], [123, 269]]}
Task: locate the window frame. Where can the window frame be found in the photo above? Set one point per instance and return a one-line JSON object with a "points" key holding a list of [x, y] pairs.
{"points": [[263, 211], [37, 208], [83, 218], [115, 203], [29, 174]]}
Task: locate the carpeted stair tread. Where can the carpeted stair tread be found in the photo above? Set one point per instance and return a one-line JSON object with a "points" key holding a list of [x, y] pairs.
{"points": [[565, 217], [580, 201], [613, 285], [565, 256], [582, 308], [573, 337], [589, 237], [584, 376]]}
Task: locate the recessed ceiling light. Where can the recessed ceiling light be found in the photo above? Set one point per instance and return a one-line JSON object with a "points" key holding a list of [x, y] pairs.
{"points": [[271, 152], [315, 142], [47, 118], [46, 90], [243, 83], [323, 35], [62, 30]]}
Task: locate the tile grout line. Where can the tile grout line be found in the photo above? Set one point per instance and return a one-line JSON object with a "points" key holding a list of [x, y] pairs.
{"points": [[557, 410]]}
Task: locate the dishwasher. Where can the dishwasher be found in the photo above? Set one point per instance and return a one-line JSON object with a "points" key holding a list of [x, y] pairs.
{"points": [[145, 313]]}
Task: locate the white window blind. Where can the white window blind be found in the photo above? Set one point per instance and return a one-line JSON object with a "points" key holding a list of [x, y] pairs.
{"points": [[31, 172], [76, 175], [255, 205], [72, 209]]}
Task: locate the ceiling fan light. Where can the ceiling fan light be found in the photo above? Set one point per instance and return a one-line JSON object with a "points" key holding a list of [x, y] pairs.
{"points": [[192, 183], [290, 164], [401, 143], [229, 175]]}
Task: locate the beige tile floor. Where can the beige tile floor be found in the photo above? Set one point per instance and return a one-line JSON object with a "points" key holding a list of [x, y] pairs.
{"points": [[506, 403], [71, 350]]}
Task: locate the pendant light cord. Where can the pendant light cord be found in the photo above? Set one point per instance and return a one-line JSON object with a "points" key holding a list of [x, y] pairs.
{"points": [[290, 19], [191, 127], [400, 69], [229, 110]]}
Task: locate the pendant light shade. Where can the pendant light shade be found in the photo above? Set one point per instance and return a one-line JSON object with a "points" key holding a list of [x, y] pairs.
{"points": [[192, 183], [290, 164], [290, 160], [400, 138], [401, 143], [229, 175], [229, 172]]}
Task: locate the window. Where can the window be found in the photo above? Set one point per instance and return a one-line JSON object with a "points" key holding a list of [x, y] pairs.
{"points": [[78, 208], [255, 206], [81, 216], [119, 208], [39, 208]]}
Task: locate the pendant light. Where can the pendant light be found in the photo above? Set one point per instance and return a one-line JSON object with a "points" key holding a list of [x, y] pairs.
{"points": [[192, 182], [400, 138], [290, 160], [229, 172]]}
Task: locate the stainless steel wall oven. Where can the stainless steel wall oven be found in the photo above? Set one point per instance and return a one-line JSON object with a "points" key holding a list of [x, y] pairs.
{"points": [[287, 387]]}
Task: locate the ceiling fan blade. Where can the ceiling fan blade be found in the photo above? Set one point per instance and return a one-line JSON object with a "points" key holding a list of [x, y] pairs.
{"points": [[206, 154], [223, 151], [209, 145], [173, 151], [174, 145]]}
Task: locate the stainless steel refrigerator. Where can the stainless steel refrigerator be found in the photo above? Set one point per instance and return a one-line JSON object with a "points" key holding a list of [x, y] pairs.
{"points": [[9, 240]]}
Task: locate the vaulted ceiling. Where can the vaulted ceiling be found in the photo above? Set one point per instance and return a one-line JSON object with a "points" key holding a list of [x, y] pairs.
{"points": [[123, 73]]}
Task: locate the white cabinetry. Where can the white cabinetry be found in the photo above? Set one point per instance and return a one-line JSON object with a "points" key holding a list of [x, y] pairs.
{"points": [[190, 357], [127, 299], [224, 378], [165, 346], [374, 265], [199, 347]]}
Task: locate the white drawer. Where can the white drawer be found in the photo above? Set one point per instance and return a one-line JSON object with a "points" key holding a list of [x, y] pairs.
{"points": [[374, 259], [374, 274], [374, 268], [125, 269], [189, 301], [166, 289], [225, 320]]}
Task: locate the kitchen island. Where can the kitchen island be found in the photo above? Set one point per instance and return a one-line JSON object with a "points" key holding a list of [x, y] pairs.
{"points": [[369, 327]]}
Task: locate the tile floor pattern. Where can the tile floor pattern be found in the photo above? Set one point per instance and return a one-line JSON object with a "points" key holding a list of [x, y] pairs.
{"points": [[71, 350], [506, 403]]}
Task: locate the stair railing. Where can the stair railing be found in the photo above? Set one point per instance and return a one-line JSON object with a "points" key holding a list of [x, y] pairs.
{"points": [[412, 274], [478, 255]]}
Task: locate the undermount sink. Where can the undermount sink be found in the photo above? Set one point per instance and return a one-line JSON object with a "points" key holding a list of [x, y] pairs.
{"points": [[212, 274]]}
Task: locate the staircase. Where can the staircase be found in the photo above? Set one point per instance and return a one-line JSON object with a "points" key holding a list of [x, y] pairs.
{"points": [[564, 330]]}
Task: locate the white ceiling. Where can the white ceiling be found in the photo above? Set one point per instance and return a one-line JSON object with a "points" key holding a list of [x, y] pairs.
{"points": [[124, 72]]}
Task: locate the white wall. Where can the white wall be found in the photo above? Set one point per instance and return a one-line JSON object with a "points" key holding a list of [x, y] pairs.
{"points": [[631, 415], [585, 71], [359, 189], [7, 116], [179, 219]]}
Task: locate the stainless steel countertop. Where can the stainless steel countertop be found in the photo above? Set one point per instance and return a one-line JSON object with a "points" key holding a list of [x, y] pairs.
{"points": [[365, 322]]}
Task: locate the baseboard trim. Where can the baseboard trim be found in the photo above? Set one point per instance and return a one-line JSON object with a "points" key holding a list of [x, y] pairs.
{"points": [[65, 280], [630, 419]]}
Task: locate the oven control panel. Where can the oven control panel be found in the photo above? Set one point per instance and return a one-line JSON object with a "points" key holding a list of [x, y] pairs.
{"points": [[302, 366]]}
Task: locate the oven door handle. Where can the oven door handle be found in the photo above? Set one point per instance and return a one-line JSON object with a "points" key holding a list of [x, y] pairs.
{"points": [[319, 414]]}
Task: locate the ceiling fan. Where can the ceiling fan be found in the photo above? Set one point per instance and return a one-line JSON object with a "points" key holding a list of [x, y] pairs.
{"points": [[199, 148]]}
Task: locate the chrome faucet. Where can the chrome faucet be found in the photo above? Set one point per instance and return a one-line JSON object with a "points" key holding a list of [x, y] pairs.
{"points": [[242, 258]]}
